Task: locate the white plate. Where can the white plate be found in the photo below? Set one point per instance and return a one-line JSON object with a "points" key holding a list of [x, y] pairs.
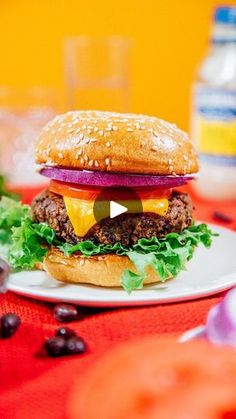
{"points": [[209, 272]]}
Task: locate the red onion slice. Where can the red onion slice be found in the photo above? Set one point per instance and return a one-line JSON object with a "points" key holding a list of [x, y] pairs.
{"points": [[221, 321], [104, 179]]}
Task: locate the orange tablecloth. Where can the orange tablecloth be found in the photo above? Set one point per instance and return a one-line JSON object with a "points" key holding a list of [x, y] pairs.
{"points": [[32, 386]]}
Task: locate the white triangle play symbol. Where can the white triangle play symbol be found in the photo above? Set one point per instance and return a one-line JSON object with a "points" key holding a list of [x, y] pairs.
{"points": [[116, 209]]}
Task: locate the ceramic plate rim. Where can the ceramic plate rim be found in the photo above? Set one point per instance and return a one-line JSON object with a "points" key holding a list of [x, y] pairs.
{"points": [[138, 298]]}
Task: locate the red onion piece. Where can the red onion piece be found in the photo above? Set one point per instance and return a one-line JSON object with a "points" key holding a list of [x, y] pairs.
{"points": [[104, 179], [221, 321]]}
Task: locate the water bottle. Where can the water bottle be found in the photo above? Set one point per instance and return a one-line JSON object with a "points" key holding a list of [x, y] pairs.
{"points": [[213, 117]]}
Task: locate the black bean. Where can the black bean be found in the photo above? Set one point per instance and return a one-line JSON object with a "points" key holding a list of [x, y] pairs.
{"points": [[222, 217], [55, 346], [75, 345], [65, 332], [9, 324], [4, 274], [65, 312]]}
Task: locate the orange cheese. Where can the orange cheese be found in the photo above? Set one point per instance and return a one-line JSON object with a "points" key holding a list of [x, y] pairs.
{"points": [[80, 211]]}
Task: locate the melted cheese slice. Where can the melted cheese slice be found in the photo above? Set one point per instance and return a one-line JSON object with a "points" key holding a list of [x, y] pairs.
{"points": [[80, 211]]}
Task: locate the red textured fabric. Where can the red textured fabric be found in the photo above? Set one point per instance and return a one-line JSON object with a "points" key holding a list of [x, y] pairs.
{"points": [[33, 386]]}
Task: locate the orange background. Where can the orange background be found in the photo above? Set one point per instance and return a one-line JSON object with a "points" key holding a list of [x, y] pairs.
{"points": [[170, 38]]}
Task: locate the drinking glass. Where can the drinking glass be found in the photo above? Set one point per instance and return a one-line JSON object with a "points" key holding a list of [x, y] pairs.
{"points": [[23, 113], [97, 73]]}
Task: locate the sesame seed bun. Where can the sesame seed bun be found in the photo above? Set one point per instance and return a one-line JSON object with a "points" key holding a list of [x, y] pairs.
{"points": [[103, 270], [116, 142]]}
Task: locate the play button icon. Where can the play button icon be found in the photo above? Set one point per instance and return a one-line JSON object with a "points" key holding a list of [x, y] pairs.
{"points": [[116, 209], [112, 202]]}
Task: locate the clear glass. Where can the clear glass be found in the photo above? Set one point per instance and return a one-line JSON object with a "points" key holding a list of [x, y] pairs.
{"points": [[23, 113], [97, 73]]}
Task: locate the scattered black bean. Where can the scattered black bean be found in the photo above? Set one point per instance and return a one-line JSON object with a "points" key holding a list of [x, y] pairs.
{"points": [[65, 312], [222, 217], [75, 345], [55, 346], [4, 274], [65, 332], [9, 324]]}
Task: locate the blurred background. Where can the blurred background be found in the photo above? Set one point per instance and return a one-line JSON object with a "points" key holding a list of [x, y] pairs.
{"points": [[169, 39], [148, 65]]}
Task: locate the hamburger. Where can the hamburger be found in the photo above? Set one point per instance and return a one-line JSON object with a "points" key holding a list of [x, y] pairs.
{"points": [[129, 158]]}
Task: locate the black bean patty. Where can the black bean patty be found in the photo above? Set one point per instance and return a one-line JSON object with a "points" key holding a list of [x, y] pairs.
{"points": [[126, 228]]}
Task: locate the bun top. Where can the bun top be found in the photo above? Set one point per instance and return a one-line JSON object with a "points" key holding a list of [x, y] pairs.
{"points": [[116, 142]]}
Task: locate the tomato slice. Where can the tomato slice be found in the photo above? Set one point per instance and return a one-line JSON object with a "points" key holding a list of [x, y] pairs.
{"points": [[111, 193]]}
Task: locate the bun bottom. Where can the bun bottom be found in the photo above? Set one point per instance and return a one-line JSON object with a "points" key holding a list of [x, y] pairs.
{"points": [[102, 270]]}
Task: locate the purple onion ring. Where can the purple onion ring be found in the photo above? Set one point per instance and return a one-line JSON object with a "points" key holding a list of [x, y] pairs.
{"points": [[221, 321], [104, 179]]}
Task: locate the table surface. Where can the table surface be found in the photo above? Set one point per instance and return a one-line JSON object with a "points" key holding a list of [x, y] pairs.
{"points": [[35, 386]]}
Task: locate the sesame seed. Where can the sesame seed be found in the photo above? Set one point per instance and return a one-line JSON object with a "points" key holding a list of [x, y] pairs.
{"points": [[154, 148], [89, 131], [77, 131], [108, 144], [108, 128], [79, 152], [82, 262], [70, 130], [129, 129], [86, 157], [107, 161], [115, 128], [82, 160], [53, 131], [185, 157], [101, 133], [90, 163], [95, 129], [96, 163], [170, 161], [171, 168], [93, 140], [60, 155], [81, 136]]}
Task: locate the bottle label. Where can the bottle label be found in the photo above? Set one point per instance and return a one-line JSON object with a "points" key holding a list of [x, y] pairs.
{"points": [[214, 125]]}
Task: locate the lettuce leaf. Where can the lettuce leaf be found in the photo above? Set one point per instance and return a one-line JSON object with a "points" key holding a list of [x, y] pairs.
{"points": [[4, 191], [28, 244], [12, 213], [167, 255]]}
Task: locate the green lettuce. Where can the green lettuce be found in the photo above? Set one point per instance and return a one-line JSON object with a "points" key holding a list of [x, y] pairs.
{"points": [[12, 213], [167, 256], [28, 243]]}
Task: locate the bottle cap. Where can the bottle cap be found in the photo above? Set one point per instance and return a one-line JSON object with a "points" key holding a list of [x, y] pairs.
{"points": [[225, 15]]}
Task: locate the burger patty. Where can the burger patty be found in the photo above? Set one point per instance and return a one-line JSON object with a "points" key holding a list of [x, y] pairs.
{"points": [[126, 228]]}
